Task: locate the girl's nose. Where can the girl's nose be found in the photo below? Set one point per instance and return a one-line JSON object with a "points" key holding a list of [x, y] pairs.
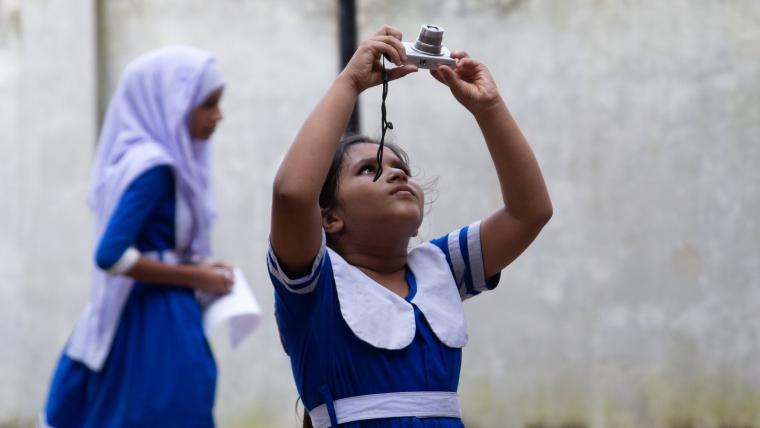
{"points": [[397, 174]]}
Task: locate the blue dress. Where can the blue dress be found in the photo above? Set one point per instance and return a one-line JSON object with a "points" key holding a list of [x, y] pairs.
{"points": [[160, 371], [330, 361]]}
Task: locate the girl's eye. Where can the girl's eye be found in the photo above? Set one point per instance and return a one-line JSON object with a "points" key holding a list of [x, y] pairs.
{"points": [[367, 169]]}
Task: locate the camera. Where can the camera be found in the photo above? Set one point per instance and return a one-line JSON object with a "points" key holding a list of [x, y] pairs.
{"points": [[428, 51]]}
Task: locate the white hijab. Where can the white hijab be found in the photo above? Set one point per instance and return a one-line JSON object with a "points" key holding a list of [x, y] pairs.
{"points": [[147, 124], [151, 107]]}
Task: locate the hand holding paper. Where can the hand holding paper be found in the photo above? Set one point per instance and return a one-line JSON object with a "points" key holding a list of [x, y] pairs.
{"points": [[239, 308]]}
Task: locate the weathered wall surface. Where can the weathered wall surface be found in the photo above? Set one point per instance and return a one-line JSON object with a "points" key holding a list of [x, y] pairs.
{"points": [[636, 307], [47, 129]]}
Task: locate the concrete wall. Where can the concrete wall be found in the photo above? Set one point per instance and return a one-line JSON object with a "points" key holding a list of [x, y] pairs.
{"points": [[636, 307], [48, 126]]}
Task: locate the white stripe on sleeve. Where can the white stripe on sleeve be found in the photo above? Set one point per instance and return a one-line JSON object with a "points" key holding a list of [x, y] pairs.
{"points": [[125, 262], [306, 283], [457, 261], [475, 254]]}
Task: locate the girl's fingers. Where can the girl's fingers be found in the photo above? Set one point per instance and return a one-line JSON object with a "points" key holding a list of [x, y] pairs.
{"points": [[401, 71], [467, 64], [445, 75], [229, 275], [448, 77], [387, 30], [459, 54], [390, 52], [222, 264], [437, 75], [397, 45]]}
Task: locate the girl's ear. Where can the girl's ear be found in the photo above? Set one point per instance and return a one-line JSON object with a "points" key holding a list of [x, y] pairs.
{"points": [[331, 223]]}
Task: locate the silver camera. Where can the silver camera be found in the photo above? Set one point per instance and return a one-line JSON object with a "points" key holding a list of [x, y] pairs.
{"points": [[428, 51]]}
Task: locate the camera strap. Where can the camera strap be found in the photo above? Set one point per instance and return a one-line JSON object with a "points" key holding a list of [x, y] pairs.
{"points": [[384, 124]]}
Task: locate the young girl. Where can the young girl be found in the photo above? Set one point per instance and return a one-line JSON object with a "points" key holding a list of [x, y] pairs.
{"points": [[138, 356], [374, 331]]}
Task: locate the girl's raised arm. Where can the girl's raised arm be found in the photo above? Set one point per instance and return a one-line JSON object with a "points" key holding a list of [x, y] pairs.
{"points": [[296, 229], [506, 233]]}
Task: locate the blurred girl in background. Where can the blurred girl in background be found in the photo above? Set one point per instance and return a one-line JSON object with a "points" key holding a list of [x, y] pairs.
{"points": [[138, 356]]}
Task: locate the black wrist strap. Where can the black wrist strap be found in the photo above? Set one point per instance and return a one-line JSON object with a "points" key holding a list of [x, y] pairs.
{"points": [[384, 124]]}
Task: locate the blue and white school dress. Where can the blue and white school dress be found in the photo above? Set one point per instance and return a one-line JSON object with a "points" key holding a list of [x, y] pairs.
{"points": [[363, 356], [159, 371]]}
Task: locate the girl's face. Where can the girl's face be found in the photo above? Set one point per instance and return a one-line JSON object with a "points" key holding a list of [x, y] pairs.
{"points": [[203, 119], [395, 200]]}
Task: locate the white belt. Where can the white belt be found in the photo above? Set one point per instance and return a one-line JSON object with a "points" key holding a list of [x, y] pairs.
{"points": [[420, 404]]}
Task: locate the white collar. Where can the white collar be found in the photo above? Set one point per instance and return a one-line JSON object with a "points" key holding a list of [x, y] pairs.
{"points": [[384, 319]]}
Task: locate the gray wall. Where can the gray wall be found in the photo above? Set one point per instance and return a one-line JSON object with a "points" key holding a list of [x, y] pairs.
{"points": [[637, 306], [47, 130]]}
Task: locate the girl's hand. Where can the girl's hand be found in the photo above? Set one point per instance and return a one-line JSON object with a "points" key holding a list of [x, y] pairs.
{"points": [[470, 82], [364, 68], [215, 278]]}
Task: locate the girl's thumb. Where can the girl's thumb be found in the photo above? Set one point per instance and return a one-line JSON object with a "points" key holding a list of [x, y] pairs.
{"points": [[446, 73]]}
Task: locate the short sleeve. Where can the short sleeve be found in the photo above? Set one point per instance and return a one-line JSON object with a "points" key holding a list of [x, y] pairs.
{"points": [[295, 297], [465, 258], [303, 285]]}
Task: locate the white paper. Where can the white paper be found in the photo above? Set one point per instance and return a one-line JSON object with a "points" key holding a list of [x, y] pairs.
{"points": [[238, 308]]}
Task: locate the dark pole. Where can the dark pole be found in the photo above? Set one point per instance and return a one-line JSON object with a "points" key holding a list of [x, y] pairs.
{"points": [[347, 30]]}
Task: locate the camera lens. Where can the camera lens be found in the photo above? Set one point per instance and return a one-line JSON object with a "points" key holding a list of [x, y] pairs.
{"points": [[430, 40]]}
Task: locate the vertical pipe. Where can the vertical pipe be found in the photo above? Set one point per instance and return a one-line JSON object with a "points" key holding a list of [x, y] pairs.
{"points": [[347, 34], [101, 60]]}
